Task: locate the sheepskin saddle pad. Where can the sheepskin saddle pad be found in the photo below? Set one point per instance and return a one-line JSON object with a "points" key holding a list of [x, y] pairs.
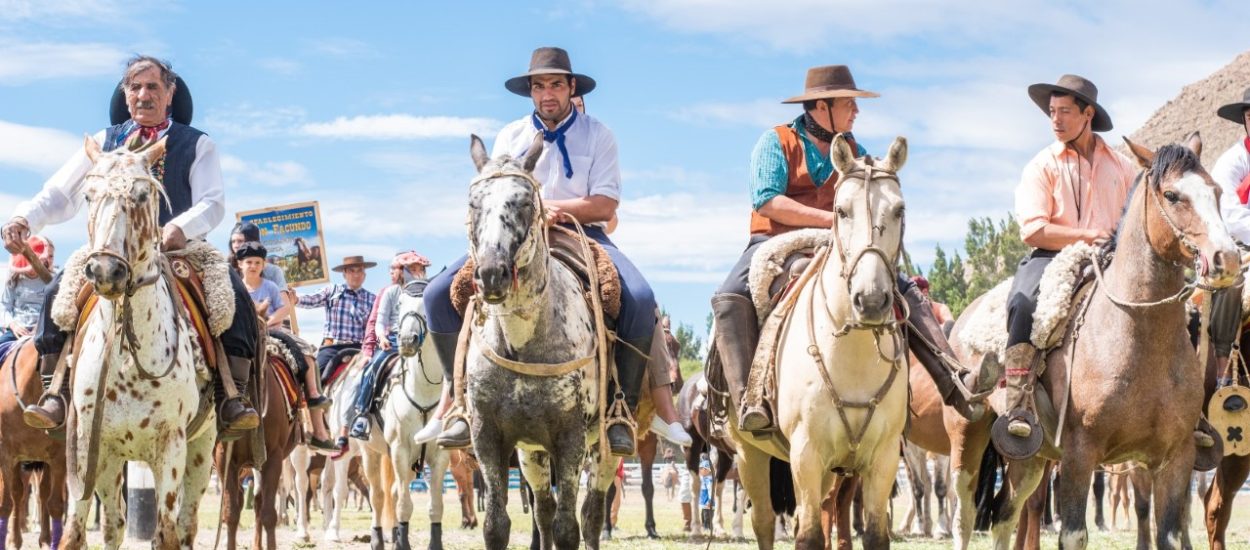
{"points": [[1061, 284], [778, 262], [566, 247]]}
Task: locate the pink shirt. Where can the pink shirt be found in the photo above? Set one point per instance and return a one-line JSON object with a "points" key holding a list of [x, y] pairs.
{"points": [[371, 336], [1053, 180]]}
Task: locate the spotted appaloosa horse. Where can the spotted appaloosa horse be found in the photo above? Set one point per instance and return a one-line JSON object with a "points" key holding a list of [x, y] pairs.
{"points": [[533, 312], [1132, 346], [138, 374]]}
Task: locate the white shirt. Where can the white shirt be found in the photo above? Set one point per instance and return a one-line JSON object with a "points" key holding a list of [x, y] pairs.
{"points": [[592, 153], [1229, 170], [62, 195]]}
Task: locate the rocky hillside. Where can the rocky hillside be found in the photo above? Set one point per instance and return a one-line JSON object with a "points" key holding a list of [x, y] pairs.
{"points": [[1194, 109]]}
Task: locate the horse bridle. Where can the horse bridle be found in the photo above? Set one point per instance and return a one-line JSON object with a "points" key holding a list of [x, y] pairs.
{"points": [[125, 205], [869, 174], [535, 238]]}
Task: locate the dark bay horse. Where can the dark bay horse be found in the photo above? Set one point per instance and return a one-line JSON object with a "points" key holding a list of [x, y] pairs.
{"points": [[1127, 345]]}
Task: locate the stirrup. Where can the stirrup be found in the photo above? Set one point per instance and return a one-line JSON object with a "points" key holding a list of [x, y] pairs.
{"points": [[619, 415], [757, 420], [456, 413]]}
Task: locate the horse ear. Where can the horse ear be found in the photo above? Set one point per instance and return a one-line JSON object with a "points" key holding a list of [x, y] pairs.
{"points": [[1145, 157], [91, 148], [897, 157], [842, 155], [535, 151], [1194, 143], [477, 150], [153, 153]]}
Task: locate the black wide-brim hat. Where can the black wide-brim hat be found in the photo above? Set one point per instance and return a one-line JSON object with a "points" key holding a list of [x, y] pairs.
{"points": [[1076, 86], [1236, 112], [181, 108], [549, 60]]}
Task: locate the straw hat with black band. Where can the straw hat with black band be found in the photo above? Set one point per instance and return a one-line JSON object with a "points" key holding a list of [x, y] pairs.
{"points": [[353, 261], [1076, 86]]}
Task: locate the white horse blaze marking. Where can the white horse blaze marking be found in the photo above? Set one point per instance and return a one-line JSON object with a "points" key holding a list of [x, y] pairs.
{"points": [[1202, 197]]}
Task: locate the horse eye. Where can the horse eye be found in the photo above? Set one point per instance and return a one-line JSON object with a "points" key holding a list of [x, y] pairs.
{"points": [[1171, 196], [898, 214], [841, 213]]}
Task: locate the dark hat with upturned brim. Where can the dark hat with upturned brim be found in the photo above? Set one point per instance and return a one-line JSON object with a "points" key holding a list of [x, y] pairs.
{"points": [[549, 60], [1236, 112], [251, 249], [828, 82], [1077, 86], [181, 108], [353, 261]]}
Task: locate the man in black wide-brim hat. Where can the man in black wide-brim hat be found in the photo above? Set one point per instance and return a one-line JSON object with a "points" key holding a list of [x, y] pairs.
{"points": [[151, 103]]}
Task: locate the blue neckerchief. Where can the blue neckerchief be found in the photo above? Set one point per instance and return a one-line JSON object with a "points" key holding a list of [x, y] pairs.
{"points": [[558, 137]]}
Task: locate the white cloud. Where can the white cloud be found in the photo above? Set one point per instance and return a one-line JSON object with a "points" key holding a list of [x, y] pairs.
{"points": [[759, 113], [683, 237], [20, 10], [343, 48], [270, 173], [386, 127], [25, 62], [247, 121], [279, 65], [41, 150]]}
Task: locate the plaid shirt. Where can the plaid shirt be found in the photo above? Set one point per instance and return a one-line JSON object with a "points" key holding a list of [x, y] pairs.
{"points": [[347, 311]]}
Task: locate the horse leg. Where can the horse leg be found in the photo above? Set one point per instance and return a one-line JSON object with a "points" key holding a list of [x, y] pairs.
{"points": [[493, 453], [537, 468], [753, 471], [594, 507], [401, 462], [372, 464], [301, 460], [696, 486], [1021, 481], [231, 495], [844, 498], [875, 484], [918, 478], [941, 483], [1073, 492], [11, 489], [968, 445], [54, 499], [267, 501], [646, 459], [114, 522], [1171, 495], [1229, 478], [1143, 486], [438, 460], [1029, 529]]}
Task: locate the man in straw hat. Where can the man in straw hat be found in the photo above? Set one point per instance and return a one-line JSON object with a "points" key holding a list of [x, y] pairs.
{"points": [[1072, 191], [1232, 173], [347, 308], [792, 187], [151, 103], [581, 177]]}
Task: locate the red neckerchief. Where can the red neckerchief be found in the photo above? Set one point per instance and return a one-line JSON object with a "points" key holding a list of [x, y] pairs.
{"points": [[147, 134], [1243, 188]]}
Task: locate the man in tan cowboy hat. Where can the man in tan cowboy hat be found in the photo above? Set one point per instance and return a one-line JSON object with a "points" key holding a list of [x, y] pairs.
{"points": [[1232, 173], [792, 187], [1072, 191], [581, 176]]}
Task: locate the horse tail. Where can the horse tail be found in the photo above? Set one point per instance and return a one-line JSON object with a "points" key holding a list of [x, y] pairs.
{"points": [[781, 487], [987, 481]]}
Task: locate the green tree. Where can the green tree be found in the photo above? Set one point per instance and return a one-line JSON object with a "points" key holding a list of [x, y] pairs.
{"points": [[993, 251], [691, 346]]}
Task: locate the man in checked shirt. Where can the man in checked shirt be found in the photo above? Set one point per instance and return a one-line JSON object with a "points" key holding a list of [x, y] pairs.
{"points": [[347, 311]]}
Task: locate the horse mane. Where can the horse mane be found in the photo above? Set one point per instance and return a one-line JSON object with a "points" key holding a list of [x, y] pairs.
{"points": [[1169, 159]]}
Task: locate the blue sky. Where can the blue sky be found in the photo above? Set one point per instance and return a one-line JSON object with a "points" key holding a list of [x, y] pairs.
{"points": [[366, 107]]}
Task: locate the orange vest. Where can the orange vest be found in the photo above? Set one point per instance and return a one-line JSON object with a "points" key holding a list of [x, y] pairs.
{"points": [[799, 187]]}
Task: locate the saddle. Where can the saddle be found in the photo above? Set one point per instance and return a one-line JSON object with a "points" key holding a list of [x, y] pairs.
{"points": [[778, 263], [566, 247], [282, 366]]}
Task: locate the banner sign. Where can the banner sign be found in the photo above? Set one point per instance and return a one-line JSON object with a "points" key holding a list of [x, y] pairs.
{"points": [[292, 235]]}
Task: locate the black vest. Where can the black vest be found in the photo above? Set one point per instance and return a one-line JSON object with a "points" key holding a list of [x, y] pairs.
{"points": [[175, 174]]}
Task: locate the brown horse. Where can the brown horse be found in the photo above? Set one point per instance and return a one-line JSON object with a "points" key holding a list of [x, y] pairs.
{"points": [[1126, 346], [22, 445], [282, 431], [463, 465], [693, 408], [30, 455]]}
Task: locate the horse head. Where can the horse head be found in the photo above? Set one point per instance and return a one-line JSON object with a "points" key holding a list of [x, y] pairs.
{"points": [[1188, 228], [412, 326], [506, 219], [867, 234], [123, 224]]}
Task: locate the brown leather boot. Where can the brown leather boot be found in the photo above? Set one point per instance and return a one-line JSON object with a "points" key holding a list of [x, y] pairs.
{"points": [[737, 334], [236, 414], [49, 412], [928, 343]]}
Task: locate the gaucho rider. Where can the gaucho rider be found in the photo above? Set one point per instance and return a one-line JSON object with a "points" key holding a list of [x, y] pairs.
{"points": [[1232, 173], [159, 106], [580, 177], [792, 187], [1073, 191]]}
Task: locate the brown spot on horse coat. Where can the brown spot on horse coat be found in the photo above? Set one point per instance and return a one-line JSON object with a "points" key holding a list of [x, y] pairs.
{"points": [[170, 499], [145, 422], [111, 395]]}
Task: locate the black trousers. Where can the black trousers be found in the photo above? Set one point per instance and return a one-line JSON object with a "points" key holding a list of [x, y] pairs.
{"points": [[1022, 300], [326, 354], [239, 340]]}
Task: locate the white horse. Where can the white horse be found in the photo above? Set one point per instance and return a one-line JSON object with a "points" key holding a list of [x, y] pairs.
{"points": [[334, 478], [841, 401], [139, 375], [409, 401]]}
